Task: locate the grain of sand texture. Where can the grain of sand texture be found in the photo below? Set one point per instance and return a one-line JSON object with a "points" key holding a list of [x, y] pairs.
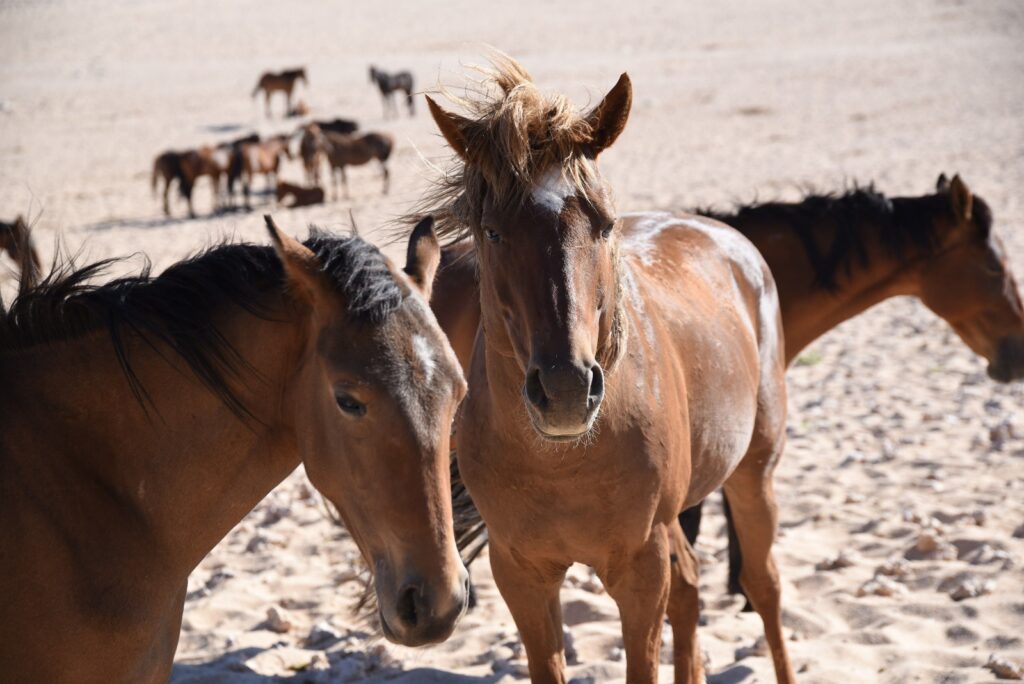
{"points": [[897, 437]]}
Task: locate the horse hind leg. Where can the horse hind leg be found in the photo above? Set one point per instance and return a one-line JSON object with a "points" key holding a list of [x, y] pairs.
{"points": [[751, 496], [387, 176], [684, 609]]}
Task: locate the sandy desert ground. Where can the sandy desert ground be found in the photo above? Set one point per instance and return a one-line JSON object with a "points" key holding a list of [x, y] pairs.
{"points": [[898, 440]]}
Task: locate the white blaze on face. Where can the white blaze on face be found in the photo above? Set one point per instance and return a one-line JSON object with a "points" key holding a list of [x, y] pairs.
{"points": [[425, 356], [552, 189]]}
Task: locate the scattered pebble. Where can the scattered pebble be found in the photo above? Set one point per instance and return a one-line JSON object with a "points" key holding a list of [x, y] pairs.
{"points": [[881, 585], [844, 559], [278, 620], [966, 586], [322, 635]]}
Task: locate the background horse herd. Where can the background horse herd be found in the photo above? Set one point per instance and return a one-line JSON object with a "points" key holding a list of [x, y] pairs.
{"points": [[338, 141], [543, 374]]}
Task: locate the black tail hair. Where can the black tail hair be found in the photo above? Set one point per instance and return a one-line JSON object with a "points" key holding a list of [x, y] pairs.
{"points": [[735, 557]]}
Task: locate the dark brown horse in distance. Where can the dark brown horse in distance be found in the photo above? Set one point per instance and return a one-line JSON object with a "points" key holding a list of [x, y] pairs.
{"points": [[301, 197], [388, 84], [343, 151], [284, 82], [142, 419], [625, 368], [16, 241]]}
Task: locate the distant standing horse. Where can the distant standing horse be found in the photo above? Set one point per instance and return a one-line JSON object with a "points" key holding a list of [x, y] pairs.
{"points": [[142, 419], [356, 150], [258, 157], [16, 240], [284, 82], [388, 84], [624, 370]]}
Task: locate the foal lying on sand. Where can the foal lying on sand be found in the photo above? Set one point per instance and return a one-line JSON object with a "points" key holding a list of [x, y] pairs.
{"points": [[142, 419]]}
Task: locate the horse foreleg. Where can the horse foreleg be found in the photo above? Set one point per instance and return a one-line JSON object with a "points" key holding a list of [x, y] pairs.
{"points": [[344, 180], [531, 594], [167, 205], [266, 101], [684, 608], [639, 584], [751, 496], [387, 176]]}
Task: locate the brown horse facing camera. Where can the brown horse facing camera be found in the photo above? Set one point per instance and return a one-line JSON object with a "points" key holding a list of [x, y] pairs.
{"points": [[834, 256], [625, 369], [284, 82], [142, 419]]}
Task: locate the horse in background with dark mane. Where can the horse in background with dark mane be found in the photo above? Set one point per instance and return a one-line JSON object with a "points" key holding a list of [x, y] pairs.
{"points": [[284, 82], [388, 84], [16, 240]]}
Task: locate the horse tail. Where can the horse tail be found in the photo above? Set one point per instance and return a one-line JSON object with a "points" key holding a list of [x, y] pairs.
{"points": [[234, 168]]}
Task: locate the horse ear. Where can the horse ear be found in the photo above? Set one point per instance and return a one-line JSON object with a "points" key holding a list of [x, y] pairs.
{"points": [[961, 199], [423, 256], [609, 117], [451, 127], [301, 267], [942, 184]]}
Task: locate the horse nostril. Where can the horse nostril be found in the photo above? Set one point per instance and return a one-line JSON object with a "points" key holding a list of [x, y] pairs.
{"points": [[535, 389], [406, 607], [596, 386]]}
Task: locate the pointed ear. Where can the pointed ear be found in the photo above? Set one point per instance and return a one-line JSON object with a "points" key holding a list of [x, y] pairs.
{"points": [[451, 127], [423, 256], [961, 199], [942, 184], [609, 117], [301, 267]]}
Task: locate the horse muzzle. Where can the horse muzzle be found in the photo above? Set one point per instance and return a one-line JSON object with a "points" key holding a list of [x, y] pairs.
{"points": [[1008, 365], [421, 613], [563, 400]]}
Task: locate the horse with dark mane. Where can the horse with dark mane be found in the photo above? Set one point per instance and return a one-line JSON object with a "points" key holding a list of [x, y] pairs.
{"points": [[388, 84], [337, 125], [833, 256], [625, 367], [142, 419], [342, 151], [284, 81]]}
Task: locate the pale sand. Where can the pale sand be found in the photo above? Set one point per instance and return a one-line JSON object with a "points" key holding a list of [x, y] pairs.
{"points": [[894, 427]]}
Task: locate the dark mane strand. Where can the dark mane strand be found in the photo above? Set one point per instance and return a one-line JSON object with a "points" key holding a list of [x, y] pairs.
{"points": [[181, 307], [901, 224]]}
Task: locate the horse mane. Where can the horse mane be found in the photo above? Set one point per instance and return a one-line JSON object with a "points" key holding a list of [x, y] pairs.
{"points": [[902, 225], [513, 131], [181, 306]]}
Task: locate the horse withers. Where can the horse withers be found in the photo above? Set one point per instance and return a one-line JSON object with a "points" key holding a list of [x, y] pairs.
{"points": [[142, 419], [624, 369]]}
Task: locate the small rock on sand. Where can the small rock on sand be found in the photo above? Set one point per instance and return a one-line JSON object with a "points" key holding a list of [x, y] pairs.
{"points": [[966, 586], [322, 635], [278, 620], [844, 559], [881, 585]]}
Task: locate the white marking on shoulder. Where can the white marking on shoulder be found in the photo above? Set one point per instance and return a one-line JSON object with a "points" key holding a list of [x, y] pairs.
{"points": [[738, 248], [425, 356], [552, 189], [644, 231]]}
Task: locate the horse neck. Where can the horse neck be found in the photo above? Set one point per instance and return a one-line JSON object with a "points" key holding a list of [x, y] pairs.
{"points": [[178, 474], [810, 310]]}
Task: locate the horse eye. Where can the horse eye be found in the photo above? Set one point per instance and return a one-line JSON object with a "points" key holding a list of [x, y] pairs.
{"points": [[492, 235], [606, 232], [350, 405]]}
